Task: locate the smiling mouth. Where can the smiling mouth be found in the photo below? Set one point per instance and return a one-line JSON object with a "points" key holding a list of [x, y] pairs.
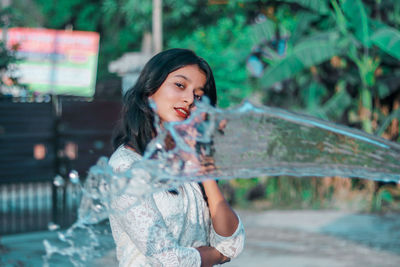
{"points": [[182, 112]]}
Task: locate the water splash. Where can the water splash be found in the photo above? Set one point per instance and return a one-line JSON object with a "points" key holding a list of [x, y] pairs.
{"points": [[58, 181], [74, 177], [243, 142], [274, 142], [53, 226], [258, 141]]}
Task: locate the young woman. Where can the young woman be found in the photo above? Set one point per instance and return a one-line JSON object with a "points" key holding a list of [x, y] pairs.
{"points": [[193, 225]]}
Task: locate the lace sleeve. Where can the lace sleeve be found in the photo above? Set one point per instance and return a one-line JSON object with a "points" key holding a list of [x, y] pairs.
{"points": [[230, 246], [143, 223]]}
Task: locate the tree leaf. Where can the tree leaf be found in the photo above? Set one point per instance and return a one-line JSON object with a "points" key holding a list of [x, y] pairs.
{"points": [[395, 114], [304, 19], [357, 16], [337, 104], [312, 97], [263, 31], [319, 6], [386, 196], [387, 39], [310, 52]]}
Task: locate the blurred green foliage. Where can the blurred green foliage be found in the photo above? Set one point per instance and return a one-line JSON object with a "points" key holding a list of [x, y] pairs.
{"points": [[341, 59], [225, 46], [7, 56]]}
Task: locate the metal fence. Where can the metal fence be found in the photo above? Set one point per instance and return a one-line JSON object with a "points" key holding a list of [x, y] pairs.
{"points": [[29, 206], [39, 141]]}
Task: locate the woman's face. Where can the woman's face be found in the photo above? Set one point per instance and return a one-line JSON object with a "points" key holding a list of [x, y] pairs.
{"points": [[176, 95]]}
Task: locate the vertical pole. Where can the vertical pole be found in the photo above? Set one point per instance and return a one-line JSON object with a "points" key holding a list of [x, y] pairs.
{"points": [[56, 122], [157, 26], [5, 4]]}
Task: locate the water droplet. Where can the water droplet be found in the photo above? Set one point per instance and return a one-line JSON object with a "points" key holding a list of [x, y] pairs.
{"points": [[58, 181], [74, 177], [98, 144], [61, 236], [53, 226], [98, 207]]}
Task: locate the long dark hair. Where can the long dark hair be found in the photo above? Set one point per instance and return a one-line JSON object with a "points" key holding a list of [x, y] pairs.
{"points": [[136, 127]]}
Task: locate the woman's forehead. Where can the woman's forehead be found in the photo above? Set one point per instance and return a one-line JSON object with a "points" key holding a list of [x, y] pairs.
{"points": [[190, 73]]}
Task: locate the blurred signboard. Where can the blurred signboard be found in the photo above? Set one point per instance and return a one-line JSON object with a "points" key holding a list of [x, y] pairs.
{"points": [[56, 61]]}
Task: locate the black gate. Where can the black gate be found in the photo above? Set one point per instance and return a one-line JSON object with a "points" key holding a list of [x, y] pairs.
{"points": [[42, 141]]}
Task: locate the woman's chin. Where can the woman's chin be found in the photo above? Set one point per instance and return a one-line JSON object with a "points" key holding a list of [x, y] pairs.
{"points": [[178, 119]]}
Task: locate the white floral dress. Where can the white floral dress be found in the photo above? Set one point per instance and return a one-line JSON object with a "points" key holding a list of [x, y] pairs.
{"points": [[164, 229]]}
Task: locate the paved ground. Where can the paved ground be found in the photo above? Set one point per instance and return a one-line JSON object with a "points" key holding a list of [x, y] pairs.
{"points": [[274, 238], [319, 238]]}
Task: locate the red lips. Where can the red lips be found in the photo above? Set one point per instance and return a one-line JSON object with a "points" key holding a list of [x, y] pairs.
{"points": [[182, 112]]}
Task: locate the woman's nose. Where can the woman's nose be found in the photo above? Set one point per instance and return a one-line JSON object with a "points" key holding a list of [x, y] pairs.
{"points": [[188, 97]]}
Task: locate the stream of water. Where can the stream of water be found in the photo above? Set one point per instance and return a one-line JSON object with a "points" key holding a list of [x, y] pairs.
{"points": [[243, 142]]}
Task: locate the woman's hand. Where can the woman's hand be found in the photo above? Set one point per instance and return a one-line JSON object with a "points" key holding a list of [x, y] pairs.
{"points": [[205, 153], [211, 256], [225, 259]]}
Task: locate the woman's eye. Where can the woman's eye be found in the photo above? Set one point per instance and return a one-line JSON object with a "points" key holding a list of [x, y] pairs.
{"points": [[197, 97], [180, 85]]}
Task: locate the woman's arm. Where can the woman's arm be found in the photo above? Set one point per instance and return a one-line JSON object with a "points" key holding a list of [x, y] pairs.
{"points": [[224, 219], [211, 256], [227, 233]]}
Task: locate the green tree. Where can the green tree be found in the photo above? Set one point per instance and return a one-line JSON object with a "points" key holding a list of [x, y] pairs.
{"points": [[225, 46], [335, 54], [8, 78]]}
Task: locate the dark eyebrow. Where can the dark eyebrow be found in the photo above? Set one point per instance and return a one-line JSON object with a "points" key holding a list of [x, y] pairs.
{"points": [[183, 76], [187, 79]]}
